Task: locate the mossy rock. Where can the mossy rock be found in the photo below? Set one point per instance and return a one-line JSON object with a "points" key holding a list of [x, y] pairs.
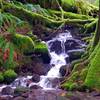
{"points": [[69, 5], [9, 76], [93, 76], [20, 90], [1, 77], [41, 47], [24, 43]]}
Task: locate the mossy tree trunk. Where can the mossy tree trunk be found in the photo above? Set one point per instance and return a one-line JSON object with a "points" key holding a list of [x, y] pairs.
{"points": [[97, 35], [93, 75]]}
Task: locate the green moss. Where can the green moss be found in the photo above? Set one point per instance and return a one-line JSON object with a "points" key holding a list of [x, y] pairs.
{"points": [[74, 76], [68, 5], [67, 85], [77, 67], [83, 74], [9, 76], [70, 86], [1, 77], [93, 76], [41, 47], [73, 86], [24, 43]]}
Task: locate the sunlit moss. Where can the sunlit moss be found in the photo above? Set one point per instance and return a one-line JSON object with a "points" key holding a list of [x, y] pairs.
{"points": [[93, 76]]}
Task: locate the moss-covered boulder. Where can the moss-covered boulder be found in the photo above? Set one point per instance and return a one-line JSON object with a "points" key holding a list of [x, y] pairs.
{"points": [[40, 47], [24, 43], [42, 50], [9, 76]]}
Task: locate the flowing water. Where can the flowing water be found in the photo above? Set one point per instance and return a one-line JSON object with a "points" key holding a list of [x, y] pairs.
{"points": [[57, 61]]}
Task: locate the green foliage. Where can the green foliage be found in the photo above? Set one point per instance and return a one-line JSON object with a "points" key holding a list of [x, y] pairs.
{"points": [[93, 76], [9, 61], [73, 86], [10, 19], [23, 43], [1, 77], [97, 3], [9, 76]]}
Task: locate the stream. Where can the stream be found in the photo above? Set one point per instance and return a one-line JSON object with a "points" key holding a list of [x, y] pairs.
{"points": [[58, 56]]}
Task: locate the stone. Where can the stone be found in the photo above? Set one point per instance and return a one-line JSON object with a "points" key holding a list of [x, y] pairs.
{"points": [[6, 98], [56, 46], [35, 87], [55, 82], [64, 70], [19, 98], [75, 54], [7, 91], [21, 90], [72, 44], [35, 78]]}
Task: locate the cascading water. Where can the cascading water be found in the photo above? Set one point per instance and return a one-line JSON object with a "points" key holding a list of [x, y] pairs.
{"points": [[58, 59]]}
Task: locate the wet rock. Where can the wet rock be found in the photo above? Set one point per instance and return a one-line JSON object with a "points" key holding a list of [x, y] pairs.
{"points": [[21, 90], [72, 44], [74, 98], [35, 78], [40, 68], [56, 46], [64, 70], [7, 91], [35, 87], [55, 82], [75, 54], [95, 93], [25, 95], [6, 98], [36, 67], [19, 98]]}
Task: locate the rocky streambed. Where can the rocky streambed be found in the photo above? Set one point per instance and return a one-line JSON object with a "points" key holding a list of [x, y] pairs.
{"points": [[48, 72]]}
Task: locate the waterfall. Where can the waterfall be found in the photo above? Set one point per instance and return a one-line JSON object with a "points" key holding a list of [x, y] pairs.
{"points": [[57, 60], [57, 51]]}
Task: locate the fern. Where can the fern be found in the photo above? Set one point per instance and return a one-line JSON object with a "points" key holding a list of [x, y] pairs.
{"points": [[8, 23]]}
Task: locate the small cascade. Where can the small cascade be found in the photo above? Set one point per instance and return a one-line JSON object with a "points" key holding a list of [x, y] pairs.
{"points": [[57, 50], [57, 60]]}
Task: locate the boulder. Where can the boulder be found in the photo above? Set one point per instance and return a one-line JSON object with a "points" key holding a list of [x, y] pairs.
{"points": [[40, 68], [7, 91], [42, 50], [35, 78], [6, 98], [56, 46], [64, 70], [75, 54], [55, 82], [35, 87], [19, 98], [72, 44], [20, 90]]}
